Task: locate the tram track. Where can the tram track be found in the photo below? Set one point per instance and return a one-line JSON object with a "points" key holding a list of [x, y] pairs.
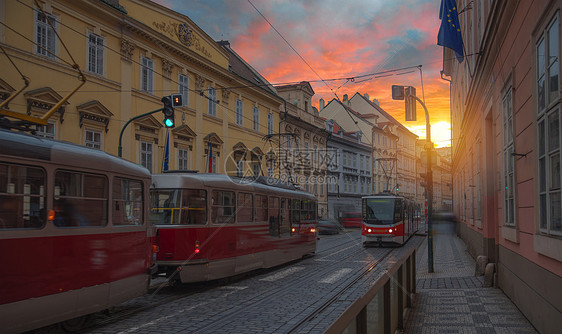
{"points": [[329, 258], [323, 306], [262, 300]]}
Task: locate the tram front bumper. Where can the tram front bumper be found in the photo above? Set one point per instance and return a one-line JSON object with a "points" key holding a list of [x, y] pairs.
{"points": [[376, 238]]}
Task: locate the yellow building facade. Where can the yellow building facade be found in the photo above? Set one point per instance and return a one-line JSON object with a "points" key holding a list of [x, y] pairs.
{"points": [[132, 53]]}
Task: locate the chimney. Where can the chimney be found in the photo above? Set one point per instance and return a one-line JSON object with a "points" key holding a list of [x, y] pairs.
{"points": [[322, 104], [366, 96], [344, 99], [375, 101]]}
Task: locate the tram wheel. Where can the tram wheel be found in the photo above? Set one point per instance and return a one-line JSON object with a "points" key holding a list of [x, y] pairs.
{"points": [[75, 324]]}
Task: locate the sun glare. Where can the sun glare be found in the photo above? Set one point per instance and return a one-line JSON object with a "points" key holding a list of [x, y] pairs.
{"points": [[440, 133]]}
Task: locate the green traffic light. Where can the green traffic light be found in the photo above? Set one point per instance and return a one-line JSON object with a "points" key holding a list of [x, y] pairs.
{"points": [[168, 122]]}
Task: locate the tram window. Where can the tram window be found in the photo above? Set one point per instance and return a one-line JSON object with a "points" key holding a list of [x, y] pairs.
{"points": [[295, 211], [261, 208], [22, 196], [379, 210], [164, 207], [274, 216], [314, 211], [127, 201], [398, 210], [80, 199], [245, 208], [304, 210], [193, 207], [223, 207], [284, 228]]}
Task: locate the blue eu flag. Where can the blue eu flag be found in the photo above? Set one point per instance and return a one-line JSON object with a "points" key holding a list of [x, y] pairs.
{"points": [[450, 31]]}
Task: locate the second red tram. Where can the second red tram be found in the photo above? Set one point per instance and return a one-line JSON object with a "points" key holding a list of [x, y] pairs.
{"points": [[211, 226], [388, 219]]}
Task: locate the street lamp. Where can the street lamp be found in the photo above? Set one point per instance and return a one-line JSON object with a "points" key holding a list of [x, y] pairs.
{"points": [[409, 95]]}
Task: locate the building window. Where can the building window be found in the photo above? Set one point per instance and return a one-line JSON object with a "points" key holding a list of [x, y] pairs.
{"points": [[146, 155], [95, 53], [46, 131], [239, 112], [212, 102], [508, 168], [240, 168], [182, 159], [256, 119], [269, 124], [45, 35], [548, 110], [147, 74], [256, 168], [183, 89], [93, 139]]}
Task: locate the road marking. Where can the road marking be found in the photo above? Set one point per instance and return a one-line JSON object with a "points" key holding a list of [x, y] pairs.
{"points": [[336, 276], [155, 321], [282, 274], [341, 250]]}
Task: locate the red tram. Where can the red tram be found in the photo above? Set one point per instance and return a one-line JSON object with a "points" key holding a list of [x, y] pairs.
{"points": [[73, 237], [388, 219], [212, 226]]}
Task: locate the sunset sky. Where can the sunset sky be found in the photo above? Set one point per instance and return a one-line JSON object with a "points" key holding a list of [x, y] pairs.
{"points": [[338, 39]]}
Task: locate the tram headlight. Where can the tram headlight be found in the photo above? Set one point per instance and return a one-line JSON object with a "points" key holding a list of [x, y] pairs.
{"points": [[369, 230], [312, 230], [389, 230]]}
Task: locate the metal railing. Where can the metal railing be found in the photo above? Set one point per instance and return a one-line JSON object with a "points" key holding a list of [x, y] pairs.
{"points": [[381, 309]]}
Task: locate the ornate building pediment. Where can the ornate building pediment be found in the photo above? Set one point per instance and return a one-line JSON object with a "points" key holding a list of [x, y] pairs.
{"points": [[183, 133], [214, 140], [239, 150], [94, 111], [257, 153], [40, 100], [147, 127]]}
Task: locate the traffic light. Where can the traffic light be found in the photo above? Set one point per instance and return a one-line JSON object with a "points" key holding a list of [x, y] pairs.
{"points": [[168, 111], [410, 104], [177, 100]]}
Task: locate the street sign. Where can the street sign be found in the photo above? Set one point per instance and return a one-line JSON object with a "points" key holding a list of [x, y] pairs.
{"points": [[397, 92]]}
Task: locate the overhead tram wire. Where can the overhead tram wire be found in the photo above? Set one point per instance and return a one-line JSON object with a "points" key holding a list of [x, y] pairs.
{"points": [[200, 92], [255, 85], [379, 74], [352, 78]]}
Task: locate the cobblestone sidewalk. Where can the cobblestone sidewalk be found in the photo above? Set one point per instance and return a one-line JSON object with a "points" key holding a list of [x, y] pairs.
{"points": [[452, 300]]}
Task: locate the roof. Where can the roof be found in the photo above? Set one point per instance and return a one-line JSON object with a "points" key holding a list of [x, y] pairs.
{"points": [[244, 70], [384, 113]]}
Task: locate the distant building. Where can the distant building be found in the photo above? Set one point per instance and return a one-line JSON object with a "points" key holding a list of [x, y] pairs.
{"points": [[303, 139], [405, 147], [350, 170]]}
